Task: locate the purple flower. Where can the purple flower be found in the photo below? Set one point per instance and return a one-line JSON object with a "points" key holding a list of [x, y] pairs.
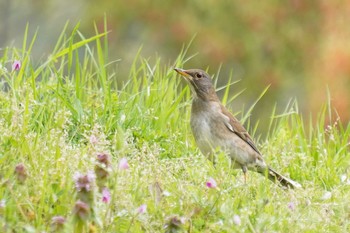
{"points": [[16, 65], [211, 183], [21, 172], [93, 140], [57, 223], [84, 182], [174, 223], [106, 195], [142, 209], [101, 167], [236, 220], [291, 205], [103, 158], [123, 164], [81, 210]]}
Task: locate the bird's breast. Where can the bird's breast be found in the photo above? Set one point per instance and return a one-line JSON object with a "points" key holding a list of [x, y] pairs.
{"points": [[202, 133], [211, 134]]}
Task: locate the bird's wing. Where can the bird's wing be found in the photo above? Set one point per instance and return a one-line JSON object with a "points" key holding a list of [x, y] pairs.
{"points": [[235, 127]]}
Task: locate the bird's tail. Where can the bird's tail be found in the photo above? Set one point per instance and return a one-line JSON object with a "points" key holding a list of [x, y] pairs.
{"points": [[284, 181]]}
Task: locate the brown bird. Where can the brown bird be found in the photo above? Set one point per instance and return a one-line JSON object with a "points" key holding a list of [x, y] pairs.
{"points": [[214, 127]]}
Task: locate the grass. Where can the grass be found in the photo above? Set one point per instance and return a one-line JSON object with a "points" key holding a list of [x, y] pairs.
{"points": [[58, 115]]}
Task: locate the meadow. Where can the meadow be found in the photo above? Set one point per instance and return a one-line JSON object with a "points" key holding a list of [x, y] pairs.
{"points": [[82, 152]]}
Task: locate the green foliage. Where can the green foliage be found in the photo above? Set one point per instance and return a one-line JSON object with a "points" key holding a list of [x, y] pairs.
{"points": [[49, 113], [264, 43]]}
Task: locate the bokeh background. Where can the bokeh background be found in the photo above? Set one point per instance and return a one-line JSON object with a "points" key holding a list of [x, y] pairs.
{"points": [[300, 48]]}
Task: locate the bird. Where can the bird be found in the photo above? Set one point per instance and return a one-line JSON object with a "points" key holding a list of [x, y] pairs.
{"points": [[214, 127]]}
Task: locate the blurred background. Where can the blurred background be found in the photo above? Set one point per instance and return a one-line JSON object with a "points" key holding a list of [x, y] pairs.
{"points": [[300, 48]]}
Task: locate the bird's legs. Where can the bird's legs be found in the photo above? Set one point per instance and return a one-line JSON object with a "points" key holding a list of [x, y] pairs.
{"points": [[244, 169]]}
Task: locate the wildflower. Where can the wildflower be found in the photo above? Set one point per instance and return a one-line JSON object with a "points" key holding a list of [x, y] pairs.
{"points": [[101, 168], [123, 164], [236, 220], [291, 206], [211, 183], [57, 223], [16, 65], [174, 224], [106, 195], [93, 140], [21, 172], [101, 173], [84, 182], [142, 209], [103, 158], [327, 195], [81, 210]]}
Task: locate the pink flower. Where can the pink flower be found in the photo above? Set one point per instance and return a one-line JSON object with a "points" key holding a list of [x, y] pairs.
{"points": [[84, 182], [81, 210], [211, 183], [57, 223], [102, 166], [106, 195], [174, 223], [21, 172], [236, 220], [142, 209], [291, 206], [16, 65], [123, 164], [103, 158], [93, 140]]}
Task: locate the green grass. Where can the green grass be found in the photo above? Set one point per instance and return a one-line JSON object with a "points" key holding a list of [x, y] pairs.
{"points": [[50, 110]]}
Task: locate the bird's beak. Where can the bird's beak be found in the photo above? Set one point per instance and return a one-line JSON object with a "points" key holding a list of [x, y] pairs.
{"points": [[184, 73]]}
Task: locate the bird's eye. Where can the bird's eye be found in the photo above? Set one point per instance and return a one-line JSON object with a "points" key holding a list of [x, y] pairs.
{"points": [[199, 75]]}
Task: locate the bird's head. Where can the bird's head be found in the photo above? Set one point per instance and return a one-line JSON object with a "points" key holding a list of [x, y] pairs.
{"points": [[200, 83]]}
